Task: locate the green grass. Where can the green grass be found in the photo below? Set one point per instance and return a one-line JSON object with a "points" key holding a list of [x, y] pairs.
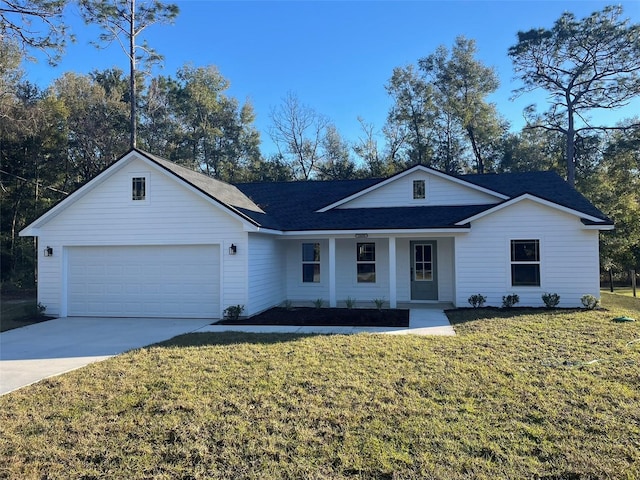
{"points": [[521, 394], [627, 291]]}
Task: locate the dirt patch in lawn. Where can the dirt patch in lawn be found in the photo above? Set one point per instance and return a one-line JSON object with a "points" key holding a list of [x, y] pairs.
{"points": [[308, 316]]}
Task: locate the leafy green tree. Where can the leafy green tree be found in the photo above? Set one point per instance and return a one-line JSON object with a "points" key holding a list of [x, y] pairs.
{"points": [[461, 85], [614, 187], [273, 169], [584, 65], [124, 21], [531, 150], [412, 115], [34, 24], [94, 123], [29, 175], [195, 123], [337, 164]]}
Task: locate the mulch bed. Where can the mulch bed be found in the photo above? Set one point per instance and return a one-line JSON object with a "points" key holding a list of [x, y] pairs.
{"points": [[308, 316]]}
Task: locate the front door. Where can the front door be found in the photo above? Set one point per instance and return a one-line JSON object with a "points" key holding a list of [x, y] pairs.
{"points": [[424, 278]]}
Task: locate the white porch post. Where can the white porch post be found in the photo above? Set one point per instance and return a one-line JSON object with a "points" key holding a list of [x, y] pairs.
{"points": [[393, 299], [332, 272]]}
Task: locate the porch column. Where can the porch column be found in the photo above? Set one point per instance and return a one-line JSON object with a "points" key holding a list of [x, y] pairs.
{"points": [[332, 272], [393, 299]]}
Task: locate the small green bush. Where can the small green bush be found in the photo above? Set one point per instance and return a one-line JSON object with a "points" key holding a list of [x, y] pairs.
{"points": [[318, 303], [509, 301], [589, 301], [232, 312], [287, 305], [379, 303], [350, 302], [477, 301], [551, 300]]}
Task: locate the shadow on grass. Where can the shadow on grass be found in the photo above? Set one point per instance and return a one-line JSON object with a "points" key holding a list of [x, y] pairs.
{"points": [[459, 316], [231, 338]]}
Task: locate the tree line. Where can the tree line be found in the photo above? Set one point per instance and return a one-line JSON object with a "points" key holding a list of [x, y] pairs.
{"points": [[53, 140]]}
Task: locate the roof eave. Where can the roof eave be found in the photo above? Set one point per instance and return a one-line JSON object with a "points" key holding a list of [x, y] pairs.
{"points": [[404, 173], [536, 199]]}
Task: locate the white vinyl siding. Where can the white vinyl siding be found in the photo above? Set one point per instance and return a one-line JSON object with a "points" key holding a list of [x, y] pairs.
{"points": [[439, 191], [296, 289], [266, 281], [106, 216], [569, 256]]}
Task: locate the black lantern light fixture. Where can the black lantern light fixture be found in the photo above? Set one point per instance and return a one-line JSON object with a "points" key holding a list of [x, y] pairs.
{"points": [[233, 249], [48, 252]]}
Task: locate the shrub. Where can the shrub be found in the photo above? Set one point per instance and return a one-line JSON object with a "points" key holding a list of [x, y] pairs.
{"points": [[350, 302], [232, 312], [509, 301], [477, 301], [379, 303], [551, 300], [589, 301], [36, 311], [318, 303], [287, 305]]}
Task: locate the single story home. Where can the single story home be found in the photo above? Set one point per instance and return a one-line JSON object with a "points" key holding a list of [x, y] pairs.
{"points": [[149, 238]]}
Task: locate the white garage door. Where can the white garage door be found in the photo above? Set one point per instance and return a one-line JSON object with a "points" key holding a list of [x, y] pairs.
{"points": [[144, 281]]}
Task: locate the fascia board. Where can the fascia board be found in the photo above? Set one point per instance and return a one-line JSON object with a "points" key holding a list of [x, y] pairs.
{"points": [[395, 231], [31, 229], [415, 168], [533, 198]]}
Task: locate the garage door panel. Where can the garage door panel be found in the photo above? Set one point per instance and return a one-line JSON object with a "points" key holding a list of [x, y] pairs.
{"points": [[150, 281]]}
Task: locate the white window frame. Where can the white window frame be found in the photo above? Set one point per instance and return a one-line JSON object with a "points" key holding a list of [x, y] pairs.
{"points": [[537, 262], [365, 262], [416, 183], [145, 178], [315, 262]]}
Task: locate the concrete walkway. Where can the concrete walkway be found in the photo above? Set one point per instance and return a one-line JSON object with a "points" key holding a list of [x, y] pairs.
{"points": [[32, 353], [422, 321]]}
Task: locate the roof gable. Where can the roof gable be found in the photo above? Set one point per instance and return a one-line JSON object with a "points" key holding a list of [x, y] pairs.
{"points": [[396, 191], [535, 199], [343, 205], [210, 190]]}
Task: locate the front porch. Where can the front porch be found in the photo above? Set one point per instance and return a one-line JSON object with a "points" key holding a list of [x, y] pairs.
{"points": [[359, 269]]}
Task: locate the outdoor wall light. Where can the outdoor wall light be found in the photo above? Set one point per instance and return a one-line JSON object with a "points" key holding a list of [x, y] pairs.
{"points": [[48, 252], [233, 249]]}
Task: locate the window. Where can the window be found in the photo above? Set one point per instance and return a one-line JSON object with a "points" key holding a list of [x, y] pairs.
{"points": [[366, 262], [138, 188], [419, 190], [311, 262], [525, 263], [423, 263]]}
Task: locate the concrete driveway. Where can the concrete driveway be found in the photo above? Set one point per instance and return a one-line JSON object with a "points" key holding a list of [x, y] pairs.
{"points": [[50, 348]]}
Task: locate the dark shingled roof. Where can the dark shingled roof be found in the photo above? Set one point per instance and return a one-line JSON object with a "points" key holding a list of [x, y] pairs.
{"points": [[294, 205], [291, 206]]}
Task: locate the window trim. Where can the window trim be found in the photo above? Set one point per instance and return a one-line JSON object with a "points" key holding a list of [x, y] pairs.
{"points": [[537, 261], [360, 262], [416, 183], [317, 249], [145, 183], [423, 262]]}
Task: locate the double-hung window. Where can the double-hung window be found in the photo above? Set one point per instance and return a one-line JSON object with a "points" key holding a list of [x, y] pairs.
{"points": [[525, 263], [138, 188], [366, 262], [419, 190], [310, 262]]}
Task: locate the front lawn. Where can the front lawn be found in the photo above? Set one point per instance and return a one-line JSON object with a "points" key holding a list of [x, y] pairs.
{"points": [[526, 394]]}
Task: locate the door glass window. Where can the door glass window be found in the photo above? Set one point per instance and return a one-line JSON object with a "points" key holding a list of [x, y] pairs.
{"points": [[422, 263]]}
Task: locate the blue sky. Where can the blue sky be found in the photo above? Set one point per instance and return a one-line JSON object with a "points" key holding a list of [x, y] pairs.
{"points": [[336, 56]]}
